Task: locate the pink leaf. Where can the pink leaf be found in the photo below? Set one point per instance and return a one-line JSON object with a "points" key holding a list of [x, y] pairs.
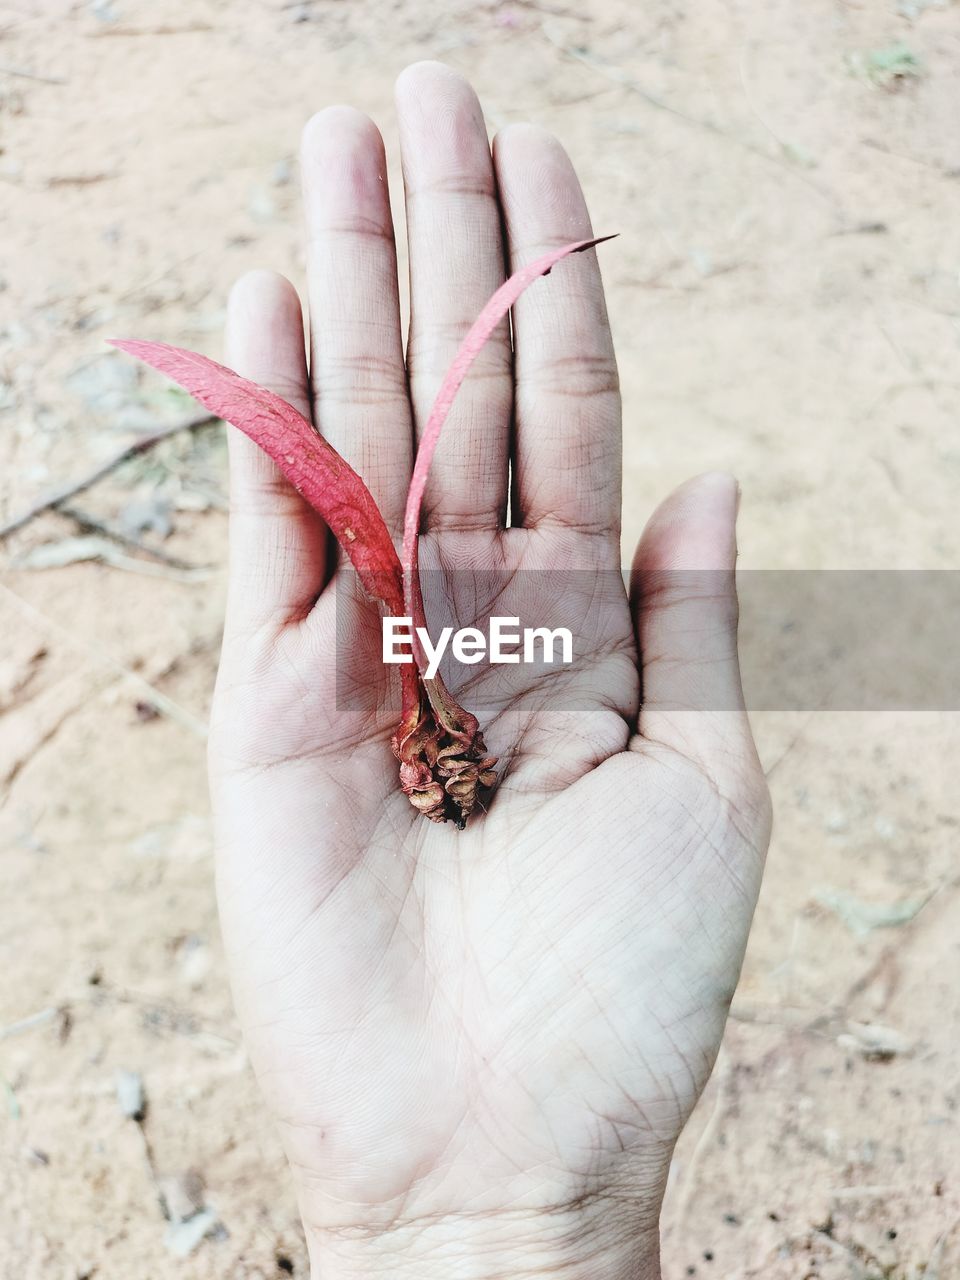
{"points": [[312, 466], [476, 339]]}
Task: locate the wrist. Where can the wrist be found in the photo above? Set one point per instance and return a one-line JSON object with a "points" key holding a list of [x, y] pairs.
{"points": [[594, 1243]]}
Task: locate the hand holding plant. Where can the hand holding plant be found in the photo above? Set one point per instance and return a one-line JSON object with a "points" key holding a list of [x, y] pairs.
{"points": [[480, 1045], [442, 755]]}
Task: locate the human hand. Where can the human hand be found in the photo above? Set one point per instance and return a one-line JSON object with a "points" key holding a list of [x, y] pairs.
{"points": [[480, 1046]]}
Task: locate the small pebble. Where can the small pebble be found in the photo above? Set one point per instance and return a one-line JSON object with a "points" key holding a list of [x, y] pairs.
{"points": [[183, 1237], [130, 1094], [182, 1195]]}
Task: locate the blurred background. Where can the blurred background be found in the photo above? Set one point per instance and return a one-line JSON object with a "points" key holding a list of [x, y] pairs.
{"points": [[784, 295]]}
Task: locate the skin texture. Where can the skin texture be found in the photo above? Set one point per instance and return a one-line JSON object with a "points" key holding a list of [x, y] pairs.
{"points": [[480, 1047]]}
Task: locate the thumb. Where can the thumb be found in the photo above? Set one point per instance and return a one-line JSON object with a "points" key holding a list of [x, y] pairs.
{"points": [[684, 599]]}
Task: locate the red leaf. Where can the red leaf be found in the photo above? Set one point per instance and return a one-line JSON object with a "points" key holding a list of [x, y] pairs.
{"points": [[312, 466], [479, 334]]}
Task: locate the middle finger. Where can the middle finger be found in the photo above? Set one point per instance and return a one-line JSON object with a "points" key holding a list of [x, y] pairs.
{"points": [[456, 263]]}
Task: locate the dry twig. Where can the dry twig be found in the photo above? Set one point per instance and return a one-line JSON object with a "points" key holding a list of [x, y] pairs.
{"points": [[621, 77], [93, 525], [143, 445], [167, 706], [27, 1024], [932, 1269], [31, 75]]}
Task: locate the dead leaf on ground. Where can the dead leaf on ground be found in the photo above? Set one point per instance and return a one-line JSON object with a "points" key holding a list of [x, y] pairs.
{"points": [[862, 917], [182, 1238], [67, 551], [874, 1041]]}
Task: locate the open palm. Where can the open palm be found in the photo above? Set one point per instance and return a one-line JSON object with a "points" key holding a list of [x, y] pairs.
{"points": [[478, 1044]]}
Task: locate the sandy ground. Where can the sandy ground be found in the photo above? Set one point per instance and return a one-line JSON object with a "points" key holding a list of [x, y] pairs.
{"points": [[785, 302]]}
